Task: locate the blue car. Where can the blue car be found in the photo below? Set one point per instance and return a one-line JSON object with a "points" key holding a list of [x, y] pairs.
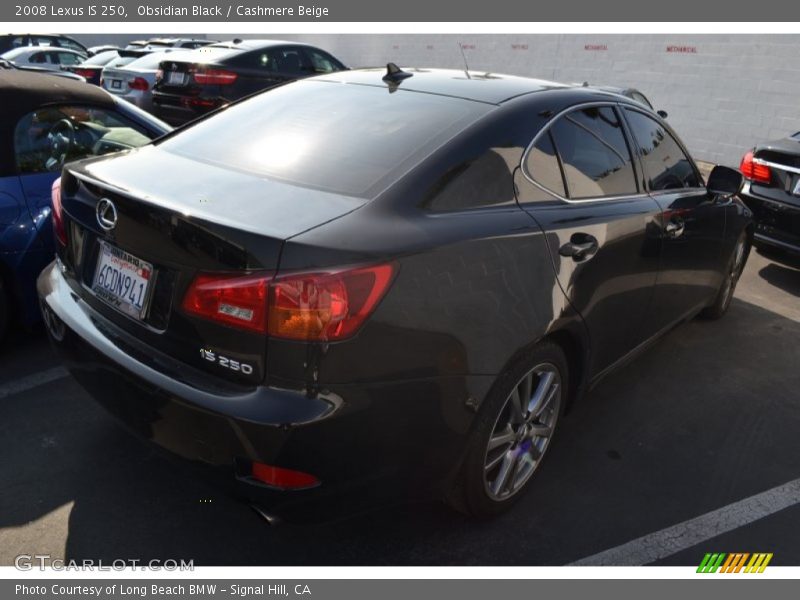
{"points": [[45, 122]]}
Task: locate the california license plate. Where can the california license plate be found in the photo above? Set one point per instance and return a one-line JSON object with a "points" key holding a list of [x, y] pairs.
{"points": [[122, 280], [175, 78]]}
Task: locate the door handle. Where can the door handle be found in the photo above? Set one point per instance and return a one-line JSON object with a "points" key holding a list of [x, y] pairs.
{"points": [[675, 228], [580, 247]]}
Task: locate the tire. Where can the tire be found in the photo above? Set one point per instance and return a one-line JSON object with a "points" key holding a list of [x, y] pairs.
{"points": [[736, 264], [519, 437]]}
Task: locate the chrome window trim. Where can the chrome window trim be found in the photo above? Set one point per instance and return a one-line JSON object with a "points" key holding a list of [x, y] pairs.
{"points": [[546, 128], [780, 167]]}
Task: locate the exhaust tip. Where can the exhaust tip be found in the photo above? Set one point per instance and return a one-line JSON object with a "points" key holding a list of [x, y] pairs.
{"points": [[271, 519]]}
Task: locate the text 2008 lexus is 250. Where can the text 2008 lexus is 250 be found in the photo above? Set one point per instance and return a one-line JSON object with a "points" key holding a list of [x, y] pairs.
{"points": [[367, 281]]}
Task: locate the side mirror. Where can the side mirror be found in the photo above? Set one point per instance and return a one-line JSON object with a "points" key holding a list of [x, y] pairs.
{"points": [[724, 182], [662, 113]]}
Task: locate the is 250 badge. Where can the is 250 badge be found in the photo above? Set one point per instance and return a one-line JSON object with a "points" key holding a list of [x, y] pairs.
{"points": [[226, 362]]}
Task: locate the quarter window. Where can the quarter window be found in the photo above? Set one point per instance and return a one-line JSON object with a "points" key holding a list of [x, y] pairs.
{"points": [[666, 165], [542, 165], [594, 154]]}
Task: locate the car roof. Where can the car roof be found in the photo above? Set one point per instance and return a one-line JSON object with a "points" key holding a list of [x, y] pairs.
{"points": [[23, 50], [254, 44], [492, 88]]}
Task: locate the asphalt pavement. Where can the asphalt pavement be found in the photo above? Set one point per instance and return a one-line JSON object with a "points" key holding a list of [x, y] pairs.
{"points": [[703, 421]]}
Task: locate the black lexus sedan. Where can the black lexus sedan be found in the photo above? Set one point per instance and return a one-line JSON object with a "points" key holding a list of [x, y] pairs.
{"points": [[772, 191], [363, 283], [207, 78]]}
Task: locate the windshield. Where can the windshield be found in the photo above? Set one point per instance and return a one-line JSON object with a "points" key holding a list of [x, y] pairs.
{"points": [[348, 139]]}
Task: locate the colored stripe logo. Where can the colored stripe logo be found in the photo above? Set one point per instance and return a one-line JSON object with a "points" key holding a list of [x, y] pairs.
{"points": [[737, 562]]}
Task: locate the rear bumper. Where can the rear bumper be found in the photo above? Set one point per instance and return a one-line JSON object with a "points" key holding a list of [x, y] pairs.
{"points": [[366, 444], [177, 110], [777, 224]]}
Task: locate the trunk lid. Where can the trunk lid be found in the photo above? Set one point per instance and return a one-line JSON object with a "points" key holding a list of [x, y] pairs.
{"points": [[184, 217]]}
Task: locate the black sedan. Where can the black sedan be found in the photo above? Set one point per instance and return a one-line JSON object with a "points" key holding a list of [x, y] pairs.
{"points": [[215, 75], [365, 283], [772, 191]]}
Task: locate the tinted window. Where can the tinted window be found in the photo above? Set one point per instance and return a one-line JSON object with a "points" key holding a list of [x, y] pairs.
{"points": [[67, 58], [594, 153], [275, 60], [45, 139], [102, 58], [349, 139], [666, 166], [484, 181], [322, 62], [542, 165]]}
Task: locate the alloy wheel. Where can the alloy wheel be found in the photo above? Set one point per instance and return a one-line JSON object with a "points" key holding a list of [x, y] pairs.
{"points": [[522, 432]]}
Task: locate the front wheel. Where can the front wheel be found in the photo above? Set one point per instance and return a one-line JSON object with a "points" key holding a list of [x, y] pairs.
{"points": [[732, 274], [514, 431]]}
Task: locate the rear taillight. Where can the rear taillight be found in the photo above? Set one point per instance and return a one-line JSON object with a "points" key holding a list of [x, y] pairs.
{"points": [[58, 213], [214, 76], [139, 83], [325, 306], [753, 170], [85, 73], [238, 301], [285, 479]]}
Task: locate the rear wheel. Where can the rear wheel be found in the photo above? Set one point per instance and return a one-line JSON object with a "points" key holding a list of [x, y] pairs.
{"points": [[734, 271], [513, 433]]}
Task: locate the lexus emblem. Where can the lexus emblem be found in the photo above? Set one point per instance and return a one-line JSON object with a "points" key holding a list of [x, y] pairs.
{"points": [[106, 214]]}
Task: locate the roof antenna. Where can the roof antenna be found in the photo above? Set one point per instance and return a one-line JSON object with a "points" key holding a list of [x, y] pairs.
{"points": [[395, 74], [464, 56]]}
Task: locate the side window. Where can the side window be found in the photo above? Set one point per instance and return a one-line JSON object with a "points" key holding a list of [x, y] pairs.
{"points": [[485, 181], [594, 153], [39, 58], [47, 138], [543, 167], [322, 62], [67, 58], [666, 166]]}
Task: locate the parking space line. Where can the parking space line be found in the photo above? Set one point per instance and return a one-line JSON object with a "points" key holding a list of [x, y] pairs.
{"points": [[669, 541], [31, 381]]}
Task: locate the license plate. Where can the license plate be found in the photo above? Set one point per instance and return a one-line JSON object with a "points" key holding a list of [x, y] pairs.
{"points": [[796, 190], [175, 78], [122, 280], [116, 84]]}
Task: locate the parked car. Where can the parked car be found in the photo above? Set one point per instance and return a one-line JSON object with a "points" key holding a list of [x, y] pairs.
{"points": [[12, 40], [94, 50], [6, 65], [215, 75], [185, 43], [134, 82], [772, 191], [633, 94], [92, 68], [366, 283], [48, 121], [51, 59]]}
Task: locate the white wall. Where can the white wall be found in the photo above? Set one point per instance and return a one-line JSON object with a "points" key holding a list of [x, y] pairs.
{"points": [[729, 94]]}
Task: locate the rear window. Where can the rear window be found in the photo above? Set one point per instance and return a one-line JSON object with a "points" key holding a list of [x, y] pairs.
{"points": [[102, 58], [151, 61], [347, 139]]}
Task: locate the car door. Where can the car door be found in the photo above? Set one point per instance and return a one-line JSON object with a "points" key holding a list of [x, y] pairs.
{"points": [[600, 224], [692, 221]]}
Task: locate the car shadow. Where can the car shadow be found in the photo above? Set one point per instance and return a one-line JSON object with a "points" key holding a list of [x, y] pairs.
{"points": [[783, 276], [706, 417]]}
